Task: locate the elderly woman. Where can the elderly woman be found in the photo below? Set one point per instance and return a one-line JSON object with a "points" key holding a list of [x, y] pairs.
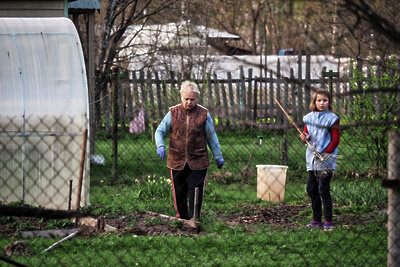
{"points": [[191, 128]]}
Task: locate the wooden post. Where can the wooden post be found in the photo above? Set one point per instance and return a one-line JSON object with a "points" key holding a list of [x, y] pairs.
{"points": [[394, 199], [91, 80], [81, 168], [330, 74]]}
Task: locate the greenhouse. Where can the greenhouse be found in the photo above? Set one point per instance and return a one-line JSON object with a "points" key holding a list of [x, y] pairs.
{"points": [[43, 114]]}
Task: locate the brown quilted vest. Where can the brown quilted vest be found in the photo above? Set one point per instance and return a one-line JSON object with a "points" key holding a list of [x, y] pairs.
{"points": [[188, 142]]}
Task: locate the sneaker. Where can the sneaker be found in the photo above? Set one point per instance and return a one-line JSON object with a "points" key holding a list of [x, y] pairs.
{"points": [[314, 224], [328, 225]]}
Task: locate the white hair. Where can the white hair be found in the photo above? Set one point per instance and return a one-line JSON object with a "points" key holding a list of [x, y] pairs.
{"points": [[189, 86]]}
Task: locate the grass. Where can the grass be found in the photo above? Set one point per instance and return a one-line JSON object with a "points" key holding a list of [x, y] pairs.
{"points": [[301, 247], [223, 245], [144, 184]]}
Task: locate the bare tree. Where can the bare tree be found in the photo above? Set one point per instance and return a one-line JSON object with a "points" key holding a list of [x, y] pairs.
{"points": [[118, 16]]}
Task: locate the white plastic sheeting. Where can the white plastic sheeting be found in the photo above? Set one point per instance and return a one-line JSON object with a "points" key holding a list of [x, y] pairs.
{"points": [[43, 112]]}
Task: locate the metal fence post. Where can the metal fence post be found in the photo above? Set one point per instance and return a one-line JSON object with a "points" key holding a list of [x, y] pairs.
{"points": [[394, 199], [114, 88]]}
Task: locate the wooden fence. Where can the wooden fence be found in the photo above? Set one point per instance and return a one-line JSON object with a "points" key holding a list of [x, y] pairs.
{"points": [[247, 101]]}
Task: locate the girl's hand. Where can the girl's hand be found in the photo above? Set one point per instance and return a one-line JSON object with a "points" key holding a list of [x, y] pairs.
{"points": [[305, 137]]}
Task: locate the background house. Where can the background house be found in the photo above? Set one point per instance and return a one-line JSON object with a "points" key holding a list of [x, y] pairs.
{"points": [[186, 48], [34, 8]]}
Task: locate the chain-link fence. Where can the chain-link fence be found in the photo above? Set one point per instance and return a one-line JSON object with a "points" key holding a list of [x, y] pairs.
{"points": [[255, 208]]}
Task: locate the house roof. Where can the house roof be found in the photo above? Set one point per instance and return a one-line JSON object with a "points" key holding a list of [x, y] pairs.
{"points": [[145, 38], [182, 28], [84, 4], [214, 33]]}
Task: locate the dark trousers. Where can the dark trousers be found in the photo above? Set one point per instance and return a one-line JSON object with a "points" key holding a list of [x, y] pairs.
{"points": [[319, 191], [184, 183]]}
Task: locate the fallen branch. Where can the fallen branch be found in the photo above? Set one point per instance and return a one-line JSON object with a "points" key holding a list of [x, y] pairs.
{"points": [[60, 241]]}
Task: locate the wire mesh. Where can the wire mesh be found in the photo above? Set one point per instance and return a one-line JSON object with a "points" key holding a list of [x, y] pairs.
{"points": [[255, 209]]}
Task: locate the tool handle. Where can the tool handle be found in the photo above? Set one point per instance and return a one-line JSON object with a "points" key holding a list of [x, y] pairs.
{"points": [[297, 128], [287, 115]]}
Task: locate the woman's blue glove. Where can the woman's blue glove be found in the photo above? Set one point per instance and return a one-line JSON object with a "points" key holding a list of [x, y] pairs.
{"points": [[220, 163], [161, 152]]}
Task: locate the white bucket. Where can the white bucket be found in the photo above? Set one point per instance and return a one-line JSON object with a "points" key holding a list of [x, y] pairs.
{"points": [[271, 180]]}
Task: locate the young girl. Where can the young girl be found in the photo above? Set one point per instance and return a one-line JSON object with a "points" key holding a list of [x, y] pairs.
{"points": [[321, 130]]}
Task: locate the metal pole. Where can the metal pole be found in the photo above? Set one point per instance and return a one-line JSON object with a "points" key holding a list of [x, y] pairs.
{"points": [[114, 129], [394, 199], [70, 195]]}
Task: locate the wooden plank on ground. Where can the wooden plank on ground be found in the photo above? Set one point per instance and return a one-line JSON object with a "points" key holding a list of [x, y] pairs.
{"points": [[192, 224], [48, 233]]}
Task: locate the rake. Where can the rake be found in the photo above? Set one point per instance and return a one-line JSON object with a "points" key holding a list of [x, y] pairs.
{"points": [[319, 156]]}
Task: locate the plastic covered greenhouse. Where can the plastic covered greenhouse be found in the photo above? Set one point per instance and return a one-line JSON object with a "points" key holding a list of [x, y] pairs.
{"points": [[43, 114]]}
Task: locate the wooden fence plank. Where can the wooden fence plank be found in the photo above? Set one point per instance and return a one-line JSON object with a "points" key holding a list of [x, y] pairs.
{"points": [[144, 97], [173, 90], [136, 94], [159, 99], [250, 103], [293, 89], [165, 98], [129, 100], [254, 119], [225, 105], [232, 108], [149, 87], [271, 98], [121, 101], [210, 98], [242, 94], [217, 102], [279, 114], [286, 99], [249, 94], [299, 85], [307, 87]]}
